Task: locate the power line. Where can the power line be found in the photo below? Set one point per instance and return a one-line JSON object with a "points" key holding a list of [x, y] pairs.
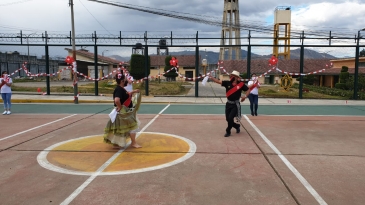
{"points": [[209, 20], [94, 17], [16, 2]]}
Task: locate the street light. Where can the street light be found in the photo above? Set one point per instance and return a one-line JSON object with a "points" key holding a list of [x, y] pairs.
{"points": [[102, 67], [357, 62], [102, 53], [27, 36]]}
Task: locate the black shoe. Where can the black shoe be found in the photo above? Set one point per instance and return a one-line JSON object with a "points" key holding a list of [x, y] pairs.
{"points": [[227, 135], [256, 113], [252, 114], [238, 130]]}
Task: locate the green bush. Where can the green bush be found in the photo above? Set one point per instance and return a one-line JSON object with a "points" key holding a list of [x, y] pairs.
{"points": [[308, 79], [340, 86], [360, 83], [244, 76], [138, 70], [344, 69], [333, 91], [344, 77]]}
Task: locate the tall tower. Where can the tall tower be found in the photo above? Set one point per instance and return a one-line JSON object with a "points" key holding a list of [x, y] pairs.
{"points": [[230, 31], [282, 18]]}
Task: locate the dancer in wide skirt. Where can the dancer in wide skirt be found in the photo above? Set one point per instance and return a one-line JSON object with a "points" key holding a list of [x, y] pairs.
{"points": [[124, 123]]}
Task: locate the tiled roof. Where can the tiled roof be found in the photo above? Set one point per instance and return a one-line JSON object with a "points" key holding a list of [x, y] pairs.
{"points": [[348, 59], [334, 71], [260, 66], [91, 56], [183, 60]]}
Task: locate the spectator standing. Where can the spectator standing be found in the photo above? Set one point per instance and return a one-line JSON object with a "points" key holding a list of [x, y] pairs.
{"points": [[5, 84]]}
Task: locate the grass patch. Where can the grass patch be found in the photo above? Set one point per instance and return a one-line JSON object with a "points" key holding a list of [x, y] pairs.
{"points": [[164, 88], [33, 79], [275, 91]]}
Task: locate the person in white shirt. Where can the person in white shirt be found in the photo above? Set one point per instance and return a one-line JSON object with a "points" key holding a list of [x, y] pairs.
{"points": [[254, 95], [5, 84], [129, 82]]}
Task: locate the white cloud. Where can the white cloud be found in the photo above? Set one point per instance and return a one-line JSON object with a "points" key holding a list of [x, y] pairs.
{"points": [[344, 17], [54, 16]]}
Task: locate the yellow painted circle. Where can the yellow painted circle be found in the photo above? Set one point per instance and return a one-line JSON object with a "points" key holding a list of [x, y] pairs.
{"points": [[86, 155]]}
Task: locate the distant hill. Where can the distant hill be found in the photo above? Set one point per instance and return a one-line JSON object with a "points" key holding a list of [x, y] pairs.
{"points": [[120, 58], [213, 57], [309, 54]]}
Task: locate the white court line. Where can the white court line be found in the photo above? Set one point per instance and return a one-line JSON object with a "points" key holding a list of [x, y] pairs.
{"points": [[294, 115], [106, 164], [19, 133], [289, 165]]}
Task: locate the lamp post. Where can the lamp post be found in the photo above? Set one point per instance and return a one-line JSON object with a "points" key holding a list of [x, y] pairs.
{"points": [[27, 36], [102, 67], [357, 62], [102, 53]]}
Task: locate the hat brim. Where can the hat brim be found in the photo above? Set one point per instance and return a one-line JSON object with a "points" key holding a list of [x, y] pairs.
{"points": [[234, 75]]}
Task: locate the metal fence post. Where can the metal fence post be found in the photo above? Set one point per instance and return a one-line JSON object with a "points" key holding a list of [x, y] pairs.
{"points": [[301, 66], [96, 59], [47, 67], [249, 55], [357, 53], [146, 65], [197, 67]]}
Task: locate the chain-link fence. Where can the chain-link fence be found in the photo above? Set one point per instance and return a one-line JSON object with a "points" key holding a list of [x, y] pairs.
{"points": [[308, 67]]}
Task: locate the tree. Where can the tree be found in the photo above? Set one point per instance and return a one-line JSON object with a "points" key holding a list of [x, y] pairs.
{"points": [[244, 76], [344, 77], [362, 53], [170, 76], [138, 70], [360, 85]]}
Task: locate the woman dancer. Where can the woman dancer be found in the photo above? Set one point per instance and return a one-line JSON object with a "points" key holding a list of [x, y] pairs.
{"points": [[126, 123]]}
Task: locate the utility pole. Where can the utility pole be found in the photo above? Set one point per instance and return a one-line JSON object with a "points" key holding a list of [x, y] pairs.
{"points": [[71, 4]]}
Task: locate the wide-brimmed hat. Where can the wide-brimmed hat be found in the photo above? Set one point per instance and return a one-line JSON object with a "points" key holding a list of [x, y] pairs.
{"points": [[236, 73]]}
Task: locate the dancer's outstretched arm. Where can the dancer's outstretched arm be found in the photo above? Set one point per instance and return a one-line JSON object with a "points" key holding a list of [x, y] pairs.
{"points": [[215, 80]]}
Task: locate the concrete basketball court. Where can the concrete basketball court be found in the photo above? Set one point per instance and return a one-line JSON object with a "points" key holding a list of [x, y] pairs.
{"points": [[54, 154]]}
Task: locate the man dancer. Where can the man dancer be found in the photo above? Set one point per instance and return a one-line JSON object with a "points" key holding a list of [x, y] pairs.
{"points": [[234, 87]]}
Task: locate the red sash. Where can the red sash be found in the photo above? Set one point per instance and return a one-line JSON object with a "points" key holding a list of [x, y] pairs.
{"points": [[234, 89], [128, 101], [254, 85]]}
